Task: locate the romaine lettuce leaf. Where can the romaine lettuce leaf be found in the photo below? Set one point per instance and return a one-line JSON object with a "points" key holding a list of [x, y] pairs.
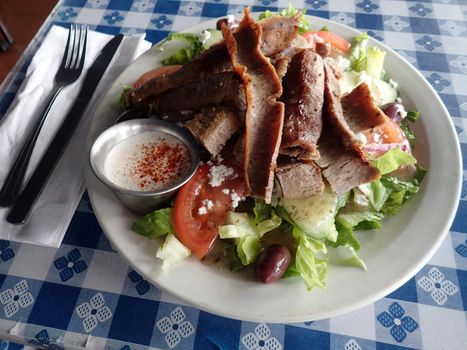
{"points": [[121, 98], [412, 116], [171, 252], [310, 262], [196, 46], [247, 231], [374, 62], [352, 219], [290, 11], [392, 160], [408, 133], [358, 52], [248, 249], [155, 224], [376, 193], [262, 210], [268, 225]]}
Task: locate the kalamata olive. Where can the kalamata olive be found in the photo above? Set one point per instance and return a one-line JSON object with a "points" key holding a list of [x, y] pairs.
{"points": [[272, 263], [395, 111]]}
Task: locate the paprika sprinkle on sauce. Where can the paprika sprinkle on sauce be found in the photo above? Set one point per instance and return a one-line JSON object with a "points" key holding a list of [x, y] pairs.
{"points": [[149, 161]]}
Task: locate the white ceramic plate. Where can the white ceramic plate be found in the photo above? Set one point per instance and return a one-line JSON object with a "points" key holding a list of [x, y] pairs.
{"points": [[393, 254]]}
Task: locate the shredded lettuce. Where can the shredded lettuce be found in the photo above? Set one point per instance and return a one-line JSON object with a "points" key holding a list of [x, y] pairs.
{"points": [[155, 224], [171, 252], [393, 160]]}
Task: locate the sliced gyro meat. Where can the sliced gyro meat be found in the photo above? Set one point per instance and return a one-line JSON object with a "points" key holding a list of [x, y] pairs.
{"points": [[214, 90], [360, 112], [351, 115], [343, 168], [214, 126], [264, 113], [299, 179], [303, 98], [214, 60], [277, 33]]}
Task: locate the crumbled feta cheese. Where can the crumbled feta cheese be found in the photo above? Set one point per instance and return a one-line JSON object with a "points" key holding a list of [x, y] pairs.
{"points": [[226, 191], [398, 99], [403, 113], [197, 191], [377, 137], [219, 158], [235, 199], [218, 173], [342, 63], [360, 137], [208, 203], [230, 19], [202, 211], [364, 78], [204, 36]]}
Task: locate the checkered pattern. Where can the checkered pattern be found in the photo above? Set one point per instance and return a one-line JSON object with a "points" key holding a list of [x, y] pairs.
{"points": [[84, 294]]}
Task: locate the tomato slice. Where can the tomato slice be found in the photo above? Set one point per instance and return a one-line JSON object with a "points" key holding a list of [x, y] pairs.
{"points": [[334, 39], [201, 208], [388, 132], [154, 74]]}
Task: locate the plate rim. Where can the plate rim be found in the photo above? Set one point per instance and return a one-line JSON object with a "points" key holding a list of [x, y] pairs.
{"points": [[408, 274]]}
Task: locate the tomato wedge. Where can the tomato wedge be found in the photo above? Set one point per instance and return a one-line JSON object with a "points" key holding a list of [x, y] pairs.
{"points": [[201, 208], [388, 132], [334, 39], [154, 74]]}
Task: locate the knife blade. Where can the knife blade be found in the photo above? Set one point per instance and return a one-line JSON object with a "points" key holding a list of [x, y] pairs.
{"points": [[33, 188]]}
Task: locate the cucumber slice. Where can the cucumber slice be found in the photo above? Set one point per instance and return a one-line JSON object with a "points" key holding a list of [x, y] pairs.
{"points": [[314, 215]]}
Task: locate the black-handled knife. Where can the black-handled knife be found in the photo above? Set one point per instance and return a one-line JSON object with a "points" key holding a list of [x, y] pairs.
{"points": [[38, 179]]}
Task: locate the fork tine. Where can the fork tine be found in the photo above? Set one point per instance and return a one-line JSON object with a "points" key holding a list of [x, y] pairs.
{"points": [[75, 47], [66, 55], [82, 48]]}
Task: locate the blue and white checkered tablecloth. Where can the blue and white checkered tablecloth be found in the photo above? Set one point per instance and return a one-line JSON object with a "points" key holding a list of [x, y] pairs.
{"points": [[83, 295]]}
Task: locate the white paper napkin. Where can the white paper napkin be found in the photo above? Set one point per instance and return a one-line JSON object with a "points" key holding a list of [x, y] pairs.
{"points": [[53, 211]]}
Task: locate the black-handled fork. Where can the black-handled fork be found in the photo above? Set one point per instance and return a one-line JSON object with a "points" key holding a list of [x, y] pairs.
{"points": [[69, 71]]}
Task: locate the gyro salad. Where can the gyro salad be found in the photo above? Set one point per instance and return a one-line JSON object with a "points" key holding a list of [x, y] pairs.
{"points": [[303, 139]]}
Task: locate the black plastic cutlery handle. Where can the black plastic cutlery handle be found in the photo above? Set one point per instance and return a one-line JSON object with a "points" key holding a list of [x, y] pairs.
{"points": [[33, 188], [15, 177]]}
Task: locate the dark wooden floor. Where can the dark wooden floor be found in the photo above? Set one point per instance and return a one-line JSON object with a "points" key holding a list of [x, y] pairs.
{"points": [[23, 18]]}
